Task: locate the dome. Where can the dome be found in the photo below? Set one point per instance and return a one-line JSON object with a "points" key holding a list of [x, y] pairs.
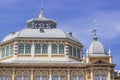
{"points": [[40, 28], [36, 33], [96, 48]]}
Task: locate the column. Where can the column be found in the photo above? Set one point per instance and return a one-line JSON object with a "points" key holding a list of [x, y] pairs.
{"points": [[109, 76], [31, 76], [32, 49], [49, 51], [50, 75], [68, 75], [13, 74], [91, 74]]}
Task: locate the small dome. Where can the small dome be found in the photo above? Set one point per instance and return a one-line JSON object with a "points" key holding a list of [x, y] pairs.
{"points": [[96, 48]]}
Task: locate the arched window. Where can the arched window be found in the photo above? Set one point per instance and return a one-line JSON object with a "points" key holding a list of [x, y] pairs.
{"points": [[54, 48], [3, 52], [11, 49], [61, 49], [1, 76], [44, 49], [103, 75], [96, 75], [74, 51], [7, 75], [21, 48], [7, 50], [37, 75], [55, 75], [44, 75], [26, 75], [37, 49], [70, 50], [27, 49], [62, 75], [78, 53], [80, 76], [19, 75], [74, 75]]}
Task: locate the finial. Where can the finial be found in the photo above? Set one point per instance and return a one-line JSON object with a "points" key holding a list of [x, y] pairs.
{"points": [[110, 52], [42, 16], [94, 29]]}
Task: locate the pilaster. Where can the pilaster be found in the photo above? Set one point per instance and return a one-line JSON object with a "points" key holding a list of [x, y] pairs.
{"points": [[31, 76], [68, 74], [13, 74], [49, 51], [32, 49], [109, 76]]}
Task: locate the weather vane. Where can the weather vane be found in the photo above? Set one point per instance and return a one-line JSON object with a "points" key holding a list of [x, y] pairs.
{"points": [[95, 23]]}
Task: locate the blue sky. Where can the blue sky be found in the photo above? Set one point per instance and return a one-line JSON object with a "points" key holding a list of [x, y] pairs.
{"points": [[72, 16]]}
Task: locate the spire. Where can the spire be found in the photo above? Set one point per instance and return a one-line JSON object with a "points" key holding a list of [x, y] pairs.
{"points": [[94, 29], [42, 16]]}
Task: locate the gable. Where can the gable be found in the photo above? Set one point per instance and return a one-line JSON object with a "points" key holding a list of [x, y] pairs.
{"points": [[100, 61]]}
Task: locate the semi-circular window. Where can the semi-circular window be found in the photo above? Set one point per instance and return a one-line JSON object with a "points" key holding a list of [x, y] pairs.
{"points": [[61, 49], [21, 48], [70, 50], [54, 48], [44, 49], [7, 50], [3, 52], [27, 49], [37, 49], [11, 49]]}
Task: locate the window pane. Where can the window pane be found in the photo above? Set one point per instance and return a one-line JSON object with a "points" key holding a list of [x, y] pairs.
{"points": [[27, 49], [55, 78], [70, 50], [74, 77], [80, 77], [61, 48], [37, 49], [44, 49], [26, 77], [11, 50], [37, 77], [78, 53], [7, 77], [54, 48], [3, 52], [104, 77], [62, 78], [19, 77], [1, 77], [7, 51], [21, 49], [74, 51], [44, 78], [96, 77]]}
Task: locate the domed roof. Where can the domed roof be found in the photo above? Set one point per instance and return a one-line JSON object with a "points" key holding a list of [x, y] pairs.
{"points": [[35, 33], [41, 28], [96, 48]]}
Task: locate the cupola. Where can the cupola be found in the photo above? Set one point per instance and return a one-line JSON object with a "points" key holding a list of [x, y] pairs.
{"points": [[41, 22]]}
